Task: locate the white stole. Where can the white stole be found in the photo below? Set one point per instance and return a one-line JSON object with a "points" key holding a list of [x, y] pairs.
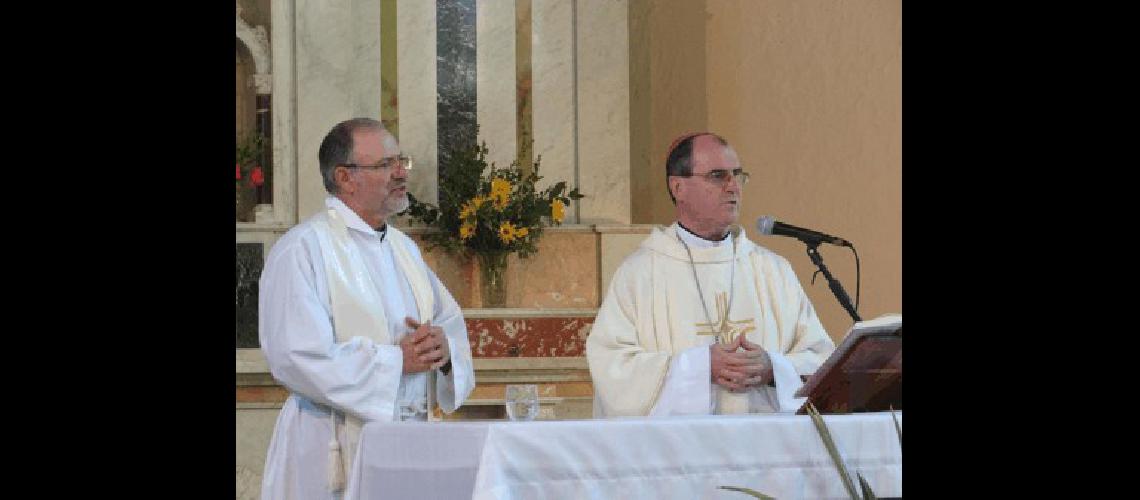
{"points": [[358, 311]]}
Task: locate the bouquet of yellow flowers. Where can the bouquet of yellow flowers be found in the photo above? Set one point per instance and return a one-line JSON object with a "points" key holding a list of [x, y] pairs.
{"points": [[485, 210], [489, 212]]}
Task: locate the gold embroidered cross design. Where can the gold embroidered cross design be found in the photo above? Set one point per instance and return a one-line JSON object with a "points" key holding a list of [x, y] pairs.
{"points": [[725, 329]]}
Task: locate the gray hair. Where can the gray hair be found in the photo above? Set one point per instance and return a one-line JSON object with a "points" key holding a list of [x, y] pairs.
{"points": [[336, 148]]}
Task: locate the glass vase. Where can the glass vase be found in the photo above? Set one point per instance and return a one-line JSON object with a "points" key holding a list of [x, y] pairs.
{"points": [[493, 279]]}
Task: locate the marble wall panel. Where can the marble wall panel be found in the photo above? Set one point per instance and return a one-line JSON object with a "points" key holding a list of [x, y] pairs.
{"points": [[528, 337], [248, 264], [562, 274], [456, 77]]}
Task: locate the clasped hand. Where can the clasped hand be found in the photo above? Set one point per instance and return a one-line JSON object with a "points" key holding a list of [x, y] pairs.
{"points": [[740, 364], [425, 348]]}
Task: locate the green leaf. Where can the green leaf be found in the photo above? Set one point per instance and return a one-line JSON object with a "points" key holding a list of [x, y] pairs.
{"points": [[557, 189], [867, 493], [829, 443], [898, 428], [754, 493], [249, 151]]}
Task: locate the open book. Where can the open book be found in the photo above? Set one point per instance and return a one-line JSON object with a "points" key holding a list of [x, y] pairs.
{"points": [[865, 371]]}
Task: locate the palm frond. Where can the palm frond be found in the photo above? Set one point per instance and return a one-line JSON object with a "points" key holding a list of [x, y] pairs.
{"points": [[898, 428], [747, 491], [867, 493], [829, 443]]}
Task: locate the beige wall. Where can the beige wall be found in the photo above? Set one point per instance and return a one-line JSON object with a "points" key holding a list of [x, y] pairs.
{"points": [[667, 95], [809, 92]]}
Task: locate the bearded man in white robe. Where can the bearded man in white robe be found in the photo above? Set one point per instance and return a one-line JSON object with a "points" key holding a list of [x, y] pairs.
{"points": [[352, 321], [699, 319]]}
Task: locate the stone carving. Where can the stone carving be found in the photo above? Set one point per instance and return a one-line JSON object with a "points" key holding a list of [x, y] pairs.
{"points": [[257, 41]]}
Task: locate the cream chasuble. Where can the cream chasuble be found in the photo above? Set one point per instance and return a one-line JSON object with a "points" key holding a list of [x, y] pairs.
{"points": [[648, 348]]}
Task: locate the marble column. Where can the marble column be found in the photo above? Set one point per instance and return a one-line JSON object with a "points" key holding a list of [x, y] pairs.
{"points": [[602, 33], [552, 49], [496, 98], [416, 88], [337, 77], [284, 118]]}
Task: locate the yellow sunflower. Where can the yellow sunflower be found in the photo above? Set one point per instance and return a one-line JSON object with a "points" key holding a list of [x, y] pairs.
{"points": [[500, 192], [467, 230], [557, 210], [478, 201], [470, 207], [522, 232], [507, 232], [466, 210]]}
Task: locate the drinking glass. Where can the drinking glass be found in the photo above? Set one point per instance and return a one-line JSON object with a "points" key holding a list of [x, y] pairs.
{"points": [[522, 402]]}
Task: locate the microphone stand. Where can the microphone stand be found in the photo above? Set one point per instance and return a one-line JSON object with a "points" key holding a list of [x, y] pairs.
{"points": [[836, 288]]}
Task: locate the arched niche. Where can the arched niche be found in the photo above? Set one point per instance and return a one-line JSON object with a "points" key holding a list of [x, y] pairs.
{"points": [[254, 95], [256, 41], [245, 96]]}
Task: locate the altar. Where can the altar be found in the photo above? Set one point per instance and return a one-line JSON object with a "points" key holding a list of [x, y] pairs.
{"points": [[626, 458]]}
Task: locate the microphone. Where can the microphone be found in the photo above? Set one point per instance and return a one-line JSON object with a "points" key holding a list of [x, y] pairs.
{"points": [[768, 225]]}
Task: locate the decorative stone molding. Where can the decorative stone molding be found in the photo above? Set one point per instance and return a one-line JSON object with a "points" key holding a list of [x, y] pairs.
{"points": [[257, 41], [263, 83]]}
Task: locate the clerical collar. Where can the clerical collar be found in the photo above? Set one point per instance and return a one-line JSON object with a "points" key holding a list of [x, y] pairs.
{"points": [[353, 220], [695, 241]]}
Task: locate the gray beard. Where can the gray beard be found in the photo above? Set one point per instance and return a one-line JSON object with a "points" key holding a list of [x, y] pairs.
{"points": [[398, 205]]}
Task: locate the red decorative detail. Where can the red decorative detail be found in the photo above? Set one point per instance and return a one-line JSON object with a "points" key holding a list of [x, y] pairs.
{"points": [[239, 171], [257, 178], [528, 337]]}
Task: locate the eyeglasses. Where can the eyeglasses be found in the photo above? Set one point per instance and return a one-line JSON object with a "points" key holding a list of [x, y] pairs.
{"points": [[720, 176], [403, 160]]}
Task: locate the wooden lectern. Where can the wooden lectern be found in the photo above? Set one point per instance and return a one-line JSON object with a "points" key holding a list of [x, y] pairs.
{"points": [[864, 374]]}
